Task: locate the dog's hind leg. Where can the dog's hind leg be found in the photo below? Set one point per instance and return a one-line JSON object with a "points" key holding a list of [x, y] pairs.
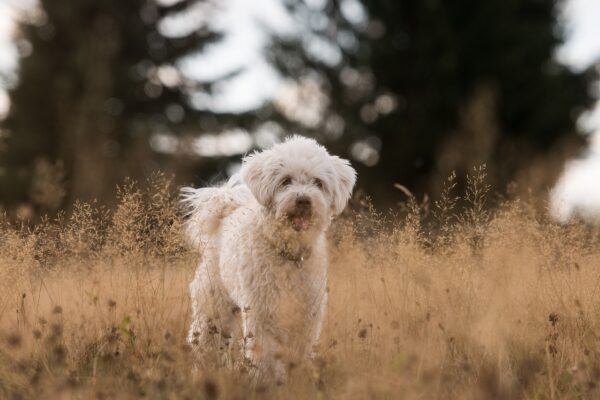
{"points": [[214, 318]]}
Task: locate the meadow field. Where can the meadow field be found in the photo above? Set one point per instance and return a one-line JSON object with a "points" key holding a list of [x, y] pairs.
{"points": [[471, 296]]}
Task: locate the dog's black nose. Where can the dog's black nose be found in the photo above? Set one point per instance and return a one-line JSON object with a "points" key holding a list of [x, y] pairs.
{"points": [[303, 202]]}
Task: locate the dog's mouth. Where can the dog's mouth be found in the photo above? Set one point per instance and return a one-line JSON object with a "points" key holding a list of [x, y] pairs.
{"points": [[300, 221]]}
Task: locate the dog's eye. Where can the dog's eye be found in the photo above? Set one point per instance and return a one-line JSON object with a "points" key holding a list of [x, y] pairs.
{"points": [[318, 183], [286, 181]]}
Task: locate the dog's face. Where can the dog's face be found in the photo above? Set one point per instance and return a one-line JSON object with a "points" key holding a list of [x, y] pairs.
{"points": [[299, 183]]}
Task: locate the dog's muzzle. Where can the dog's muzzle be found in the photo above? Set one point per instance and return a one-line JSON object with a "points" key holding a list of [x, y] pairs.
{"points": [[301, 216]]}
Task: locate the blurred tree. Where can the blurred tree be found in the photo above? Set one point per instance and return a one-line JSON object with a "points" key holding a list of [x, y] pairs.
{"points": [[96, 78], [427, 87], [410, 89]]}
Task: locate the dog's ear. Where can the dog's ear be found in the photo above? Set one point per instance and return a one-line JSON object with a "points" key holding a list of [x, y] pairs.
{"points": [[346, 178], [259, 171]]}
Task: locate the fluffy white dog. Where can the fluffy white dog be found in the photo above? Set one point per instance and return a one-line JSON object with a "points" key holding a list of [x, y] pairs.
{"points": [[263, 254]]}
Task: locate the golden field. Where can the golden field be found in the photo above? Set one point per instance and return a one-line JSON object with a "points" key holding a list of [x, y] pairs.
{"points": [[448, 300]]}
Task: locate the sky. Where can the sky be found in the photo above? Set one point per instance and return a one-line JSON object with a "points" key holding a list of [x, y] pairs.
{"points": [[244, 22], [581, 19], [241, 49], [7, 51], [582, 23], [577, 193]]}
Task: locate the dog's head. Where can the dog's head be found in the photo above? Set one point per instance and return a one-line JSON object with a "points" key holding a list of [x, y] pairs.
{"points": [[300, 183]]}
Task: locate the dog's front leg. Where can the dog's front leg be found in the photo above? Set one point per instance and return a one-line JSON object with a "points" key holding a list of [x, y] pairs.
{"points": [[315, 325], [263, 350]]}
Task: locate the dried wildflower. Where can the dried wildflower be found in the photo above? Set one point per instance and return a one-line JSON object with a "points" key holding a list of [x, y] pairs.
{"points": [[14, 340], [72, 380], [446, 278], [133, 376], [226, 335], [185, 349], [211, 390], [213, 330], [56, 329], [59, 353]]}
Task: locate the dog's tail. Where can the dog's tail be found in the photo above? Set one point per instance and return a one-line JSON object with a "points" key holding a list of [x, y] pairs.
{"points": [[205, 208]]}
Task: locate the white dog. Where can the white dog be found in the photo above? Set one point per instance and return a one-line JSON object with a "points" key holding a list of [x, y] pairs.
{"points": [[264, 257]]}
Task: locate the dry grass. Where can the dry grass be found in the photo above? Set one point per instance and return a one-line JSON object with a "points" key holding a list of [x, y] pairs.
{"points": [[477, 305]]}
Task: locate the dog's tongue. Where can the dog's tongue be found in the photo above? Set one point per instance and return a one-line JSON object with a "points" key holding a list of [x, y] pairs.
{"points": [[300, 223]]}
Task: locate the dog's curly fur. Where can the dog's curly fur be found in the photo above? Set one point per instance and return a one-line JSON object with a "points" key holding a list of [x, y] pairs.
{"points": [[264, 258]]}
